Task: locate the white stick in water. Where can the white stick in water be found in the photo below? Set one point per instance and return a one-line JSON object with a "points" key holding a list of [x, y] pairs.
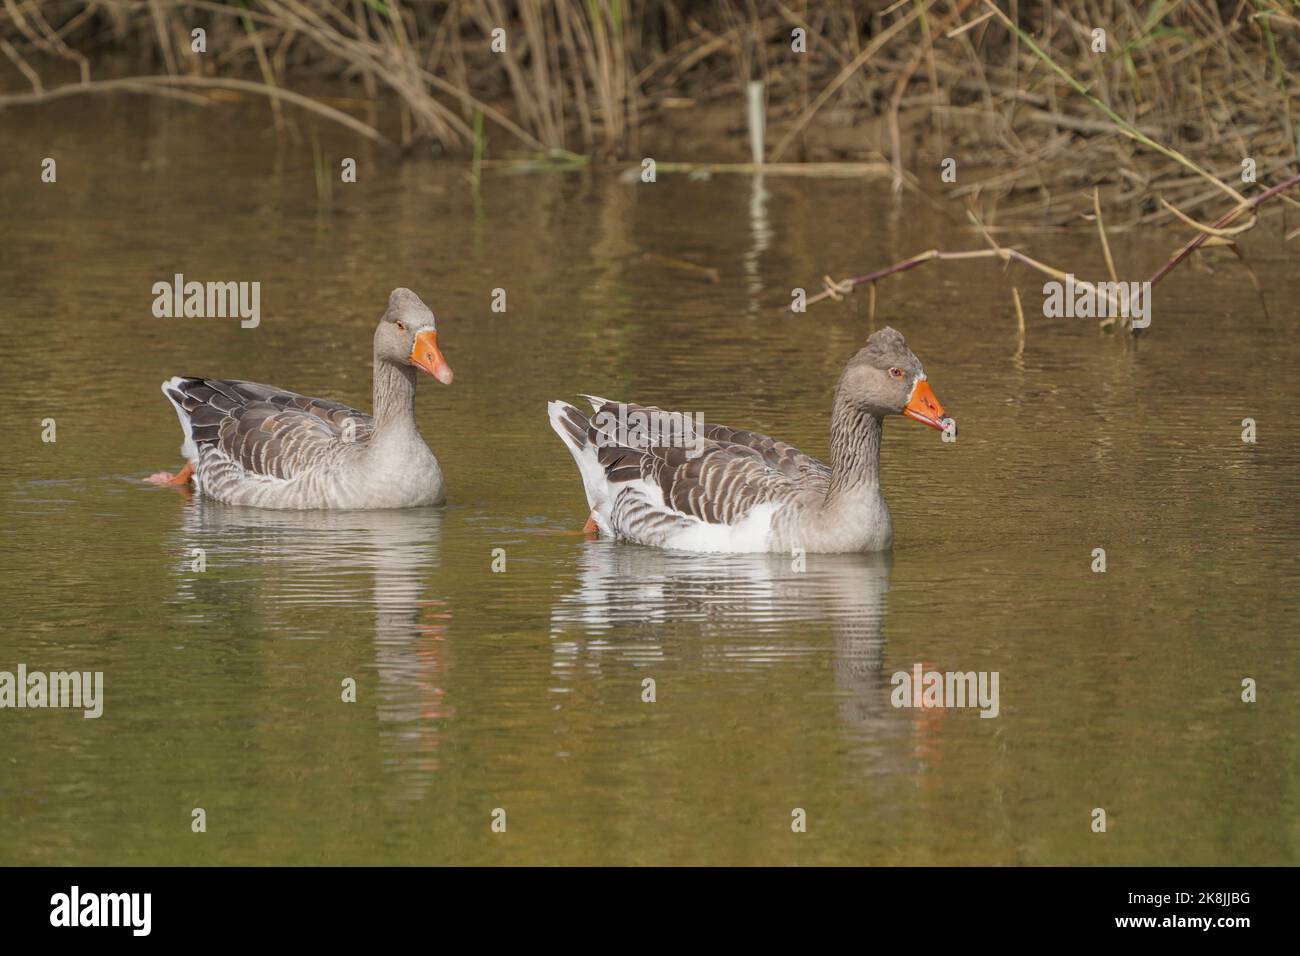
{"points": [[757, 121]]}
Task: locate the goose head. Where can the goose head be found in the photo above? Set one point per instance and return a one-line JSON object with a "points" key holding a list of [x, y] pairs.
{"points": [[885, 378], [407, 336]]}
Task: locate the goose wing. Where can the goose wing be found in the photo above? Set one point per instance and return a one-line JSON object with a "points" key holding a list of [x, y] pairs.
{"points": [[721, 485], [779, 455], [264, 430], [648, 483]]}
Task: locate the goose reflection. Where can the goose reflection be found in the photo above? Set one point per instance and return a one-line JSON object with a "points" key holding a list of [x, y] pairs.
{"points": [[629, 600], [301, 574]]}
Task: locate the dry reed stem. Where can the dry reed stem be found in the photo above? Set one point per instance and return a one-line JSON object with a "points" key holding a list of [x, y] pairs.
{"points": [[840, 79], [1123, 125], [810, 170], [162, 84]]}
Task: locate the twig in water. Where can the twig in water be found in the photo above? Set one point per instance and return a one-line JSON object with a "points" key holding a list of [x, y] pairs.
{"points": [[1105, 251], [707, 272], [836, 289], [1199, 240]]}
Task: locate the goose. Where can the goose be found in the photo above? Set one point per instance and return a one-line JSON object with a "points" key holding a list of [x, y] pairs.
{"points": [[258, 445], [658, 478]]}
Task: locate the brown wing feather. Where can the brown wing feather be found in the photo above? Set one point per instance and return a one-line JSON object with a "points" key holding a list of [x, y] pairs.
{"points": [[782, 456], [266, 430], [735, 470], [721, 486]]}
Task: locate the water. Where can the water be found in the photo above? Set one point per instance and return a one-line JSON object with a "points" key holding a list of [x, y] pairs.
{"points": [[522, 690]]}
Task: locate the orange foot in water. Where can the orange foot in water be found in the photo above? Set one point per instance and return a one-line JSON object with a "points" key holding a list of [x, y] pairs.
{"points": [[588, 528], [167, 478]]}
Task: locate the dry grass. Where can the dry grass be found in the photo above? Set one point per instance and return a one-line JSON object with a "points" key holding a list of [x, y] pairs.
{"points": [[1037, 119]]}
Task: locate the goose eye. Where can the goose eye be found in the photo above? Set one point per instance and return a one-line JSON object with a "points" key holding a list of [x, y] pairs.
{"points": [[896, 372], [401, 326]]}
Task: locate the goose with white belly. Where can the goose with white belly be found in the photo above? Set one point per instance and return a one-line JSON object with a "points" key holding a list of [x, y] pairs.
{"points": [[251, 444], [722, 489]]}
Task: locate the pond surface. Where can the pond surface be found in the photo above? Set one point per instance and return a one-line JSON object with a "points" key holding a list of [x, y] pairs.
{"points": [[522, 690]]}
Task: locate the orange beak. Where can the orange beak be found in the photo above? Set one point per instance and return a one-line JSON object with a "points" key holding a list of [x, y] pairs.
{"points": [[924, 407], [425, 355]]}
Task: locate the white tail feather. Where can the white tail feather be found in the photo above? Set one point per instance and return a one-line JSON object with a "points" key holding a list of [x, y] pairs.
{"points": [[188, 448], [584, 454]]}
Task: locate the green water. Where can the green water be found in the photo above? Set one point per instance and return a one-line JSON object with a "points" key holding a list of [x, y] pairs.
{"points": [[522, 690]]}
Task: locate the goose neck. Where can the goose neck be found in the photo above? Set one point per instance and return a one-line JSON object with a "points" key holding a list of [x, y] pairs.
{"points": [[855, 449], [394, 396]]}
